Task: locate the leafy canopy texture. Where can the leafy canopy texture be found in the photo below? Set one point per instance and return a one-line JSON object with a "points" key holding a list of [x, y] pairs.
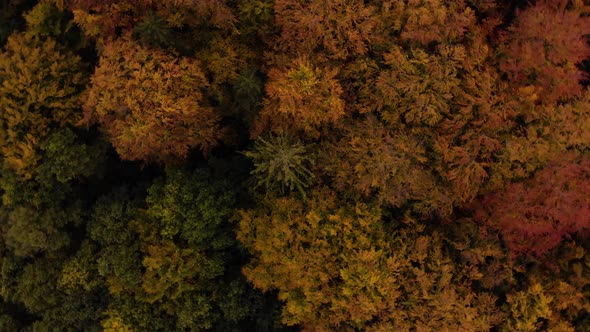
{"points": [[287, 165], [337, 266], [534, 216], [301, 97], [40, 83], [543, 47], [150, 103]]}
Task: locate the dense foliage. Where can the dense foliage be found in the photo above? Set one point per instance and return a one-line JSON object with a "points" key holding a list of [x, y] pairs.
{"points": [[286, 165]]}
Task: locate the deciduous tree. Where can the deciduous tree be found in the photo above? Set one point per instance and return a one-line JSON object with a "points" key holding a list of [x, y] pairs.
{"points": [[534, 216], [40, 83], [543, 47], [149, 103], [301, 97], [337, 266]]}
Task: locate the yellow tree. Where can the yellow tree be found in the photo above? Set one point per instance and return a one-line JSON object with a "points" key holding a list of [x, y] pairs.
{"points": [[338, 266], [40, 84]]}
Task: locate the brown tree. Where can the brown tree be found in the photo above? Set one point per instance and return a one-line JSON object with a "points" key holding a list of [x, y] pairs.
{"points": [[338, 29], [103, 19], [301, 97]]}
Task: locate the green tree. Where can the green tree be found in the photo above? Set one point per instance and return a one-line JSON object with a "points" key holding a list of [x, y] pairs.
{"points": [[281, 164]]}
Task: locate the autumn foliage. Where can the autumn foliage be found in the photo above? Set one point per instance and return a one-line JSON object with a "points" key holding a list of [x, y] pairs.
{"points": [[149, 103], [534, 216], [355, 273], [543, 46], [287, 165], [302, 97], [40, 86]]}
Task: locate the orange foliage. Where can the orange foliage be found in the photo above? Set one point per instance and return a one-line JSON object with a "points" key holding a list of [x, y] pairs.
{"points": [[150, 103], [102, 18], [443, 21], [301, 97], [336, 28]]}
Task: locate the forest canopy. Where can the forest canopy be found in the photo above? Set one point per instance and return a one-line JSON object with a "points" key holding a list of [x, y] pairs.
{"points": [[289, 165]]}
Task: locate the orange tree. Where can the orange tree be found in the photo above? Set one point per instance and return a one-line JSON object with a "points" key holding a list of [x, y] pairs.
{"points": [[150, 103]]}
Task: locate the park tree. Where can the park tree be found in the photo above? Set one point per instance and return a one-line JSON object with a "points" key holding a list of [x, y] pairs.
{"points": [[149, 103]]}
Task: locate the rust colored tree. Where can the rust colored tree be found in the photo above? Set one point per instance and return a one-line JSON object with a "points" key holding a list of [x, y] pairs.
{"points": [[149, 103], [543, 47], [301, 97], [534, 216], [104, 19]]}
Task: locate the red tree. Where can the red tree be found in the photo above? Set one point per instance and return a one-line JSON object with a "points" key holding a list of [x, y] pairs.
{"points": [[543, 46]]}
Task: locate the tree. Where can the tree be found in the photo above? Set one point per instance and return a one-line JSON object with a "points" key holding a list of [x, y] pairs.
{"points": [[301, 97], [337, 29], [40, 83], [438, 21], [103, 19], [543, 47], [281, 164], [338, 266], [170, 260], [10, 16], [154, 31], [541, 133], [441, 118], [535, 215], [390, 166], [149, 103], [527, 308]]}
